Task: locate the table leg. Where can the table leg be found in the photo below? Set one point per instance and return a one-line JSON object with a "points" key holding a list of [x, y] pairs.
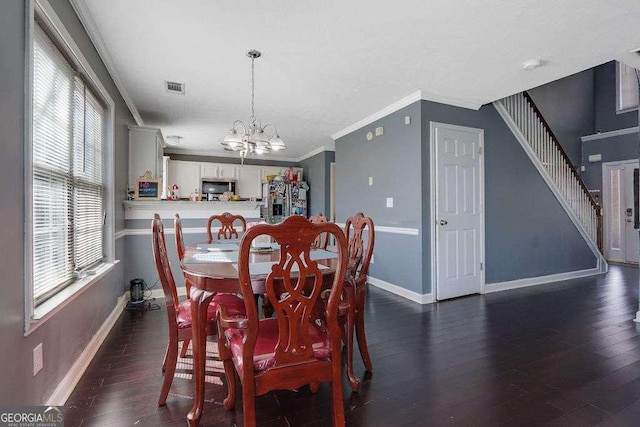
{"points": [[199, 304]]}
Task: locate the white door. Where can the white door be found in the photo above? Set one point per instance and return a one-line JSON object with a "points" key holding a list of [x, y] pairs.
{"points": [[620, 211], [458, 210]]}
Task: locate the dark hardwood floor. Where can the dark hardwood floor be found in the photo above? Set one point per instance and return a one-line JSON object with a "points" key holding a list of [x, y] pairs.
{"points": [[564, 354]]}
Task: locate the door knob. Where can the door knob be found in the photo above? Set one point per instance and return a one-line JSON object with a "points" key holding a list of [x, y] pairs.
{"points": [[443, 222]]}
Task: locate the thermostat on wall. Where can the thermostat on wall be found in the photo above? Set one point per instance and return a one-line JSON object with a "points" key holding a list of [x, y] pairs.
{"points": [[595, 158]]}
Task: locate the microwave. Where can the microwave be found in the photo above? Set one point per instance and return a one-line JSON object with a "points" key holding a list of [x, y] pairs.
{"points": [[212, 188]]}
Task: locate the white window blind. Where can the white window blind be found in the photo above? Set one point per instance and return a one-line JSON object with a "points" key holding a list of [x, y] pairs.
{"points": [[627, 88], [68, 139]]}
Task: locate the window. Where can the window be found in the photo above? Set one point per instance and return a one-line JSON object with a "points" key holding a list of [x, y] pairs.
{"points": [[626, 88], [68, 193]]}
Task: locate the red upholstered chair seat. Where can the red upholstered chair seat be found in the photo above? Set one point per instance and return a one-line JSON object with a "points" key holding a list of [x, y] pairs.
{"points": [[263, 357], [234, 304]]}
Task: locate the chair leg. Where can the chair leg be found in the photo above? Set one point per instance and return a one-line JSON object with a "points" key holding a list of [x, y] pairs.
{"points": [[229, 371], [166, 356], [354, 382], [360, 335], [185, 347], [249, 405], [171, 359], [337, 404]]}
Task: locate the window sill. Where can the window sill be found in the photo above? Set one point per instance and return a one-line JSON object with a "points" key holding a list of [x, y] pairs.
{"points": [[56, 303]]}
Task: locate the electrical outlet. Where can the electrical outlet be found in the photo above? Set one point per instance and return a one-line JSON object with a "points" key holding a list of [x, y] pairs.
{"points": [[370, 180], [389, 202], [38, 362], [407, 120]]}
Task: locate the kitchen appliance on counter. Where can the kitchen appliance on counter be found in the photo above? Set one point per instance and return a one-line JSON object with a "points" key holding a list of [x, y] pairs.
{"points": [[282, 199], [213, 188]]}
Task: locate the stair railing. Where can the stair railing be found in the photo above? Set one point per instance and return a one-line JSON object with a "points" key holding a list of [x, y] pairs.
{"points": [[541, 139]]}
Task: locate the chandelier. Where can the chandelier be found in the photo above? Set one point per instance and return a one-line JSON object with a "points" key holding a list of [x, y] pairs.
{"points": [[253, 138]]}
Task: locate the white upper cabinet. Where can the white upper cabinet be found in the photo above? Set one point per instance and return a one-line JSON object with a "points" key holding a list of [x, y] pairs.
{"points": [[249, 181], [145, 153], [218, 170], [186, 175]]}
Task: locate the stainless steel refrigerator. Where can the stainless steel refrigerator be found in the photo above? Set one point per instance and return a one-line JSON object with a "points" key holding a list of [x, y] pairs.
{"points": [[282, 199]]}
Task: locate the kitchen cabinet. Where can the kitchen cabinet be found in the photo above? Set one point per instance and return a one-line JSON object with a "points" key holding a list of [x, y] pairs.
{"points": [[146, 148], [186, 175], [218, 170], [249, 181]]}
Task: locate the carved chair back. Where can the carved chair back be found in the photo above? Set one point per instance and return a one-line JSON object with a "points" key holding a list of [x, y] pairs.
{"points": [[322, 240], [359, 252], [227, 229]]}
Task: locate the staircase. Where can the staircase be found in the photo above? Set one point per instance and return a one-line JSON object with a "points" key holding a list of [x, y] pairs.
{"points": [[541, 145]]}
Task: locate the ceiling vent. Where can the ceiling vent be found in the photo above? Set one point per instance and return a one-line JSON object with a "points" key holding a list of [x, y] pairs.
{"points": [[174, 87]]}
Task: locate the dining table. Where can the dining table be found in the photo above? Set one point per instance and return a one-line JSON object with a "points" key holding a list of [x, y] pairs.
{"points": [[212, 267]]}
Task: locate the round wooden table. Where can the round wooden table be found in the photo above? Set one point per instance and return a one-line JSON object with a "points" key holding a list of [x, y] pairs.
{"points": [[209, 271]]}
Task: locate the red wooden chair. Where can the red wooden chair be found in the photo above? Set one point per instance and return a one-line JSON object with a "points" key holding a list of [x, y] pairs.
{"points": [[179, 313], [359, 260], [323, 240], [227, 229], [302, 343]]}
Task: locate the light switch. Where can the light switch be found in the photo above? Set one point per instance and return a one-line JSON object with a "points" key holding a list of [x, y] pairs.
{"points": [[379, 131], [407, 120], [389, 202], [370, 180]]}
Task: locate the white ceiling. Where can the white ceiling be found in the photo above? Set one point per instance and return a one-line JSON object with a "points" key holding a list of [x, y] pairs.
{"points": [[329, 64]]}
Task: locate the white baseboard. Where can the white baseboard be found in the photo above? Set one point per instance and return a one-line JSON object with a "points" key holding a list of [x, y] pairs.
{"points": [[541, 280], [69, 382], [394, 289]]}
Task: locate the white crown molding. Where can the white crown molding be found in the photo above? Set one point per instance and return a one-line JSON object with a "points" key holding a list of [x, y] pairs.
{"points": [[408, 100], [610, 134], [314, 152], [472, 104], [90, 26]]}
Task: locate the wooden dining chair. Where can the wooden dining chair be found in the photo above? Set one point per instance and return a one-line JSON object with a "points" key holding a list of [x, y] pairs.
{"points": [[359, 259], [323, 240], [227, 229], [302, 343], [179, 313]]}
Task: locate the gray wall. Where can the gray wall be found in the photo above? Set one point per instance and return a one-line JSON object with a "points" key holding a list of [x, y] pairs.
{"points": [[393, 160], [65, 334], [317, 173], [568, 106], [606, 117], [623, 147], [527, 233]]}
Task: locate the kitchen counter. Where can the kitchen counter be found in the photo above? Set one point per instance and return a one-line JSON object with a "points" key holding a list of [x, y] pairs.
{"points": [[144, 209]]}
